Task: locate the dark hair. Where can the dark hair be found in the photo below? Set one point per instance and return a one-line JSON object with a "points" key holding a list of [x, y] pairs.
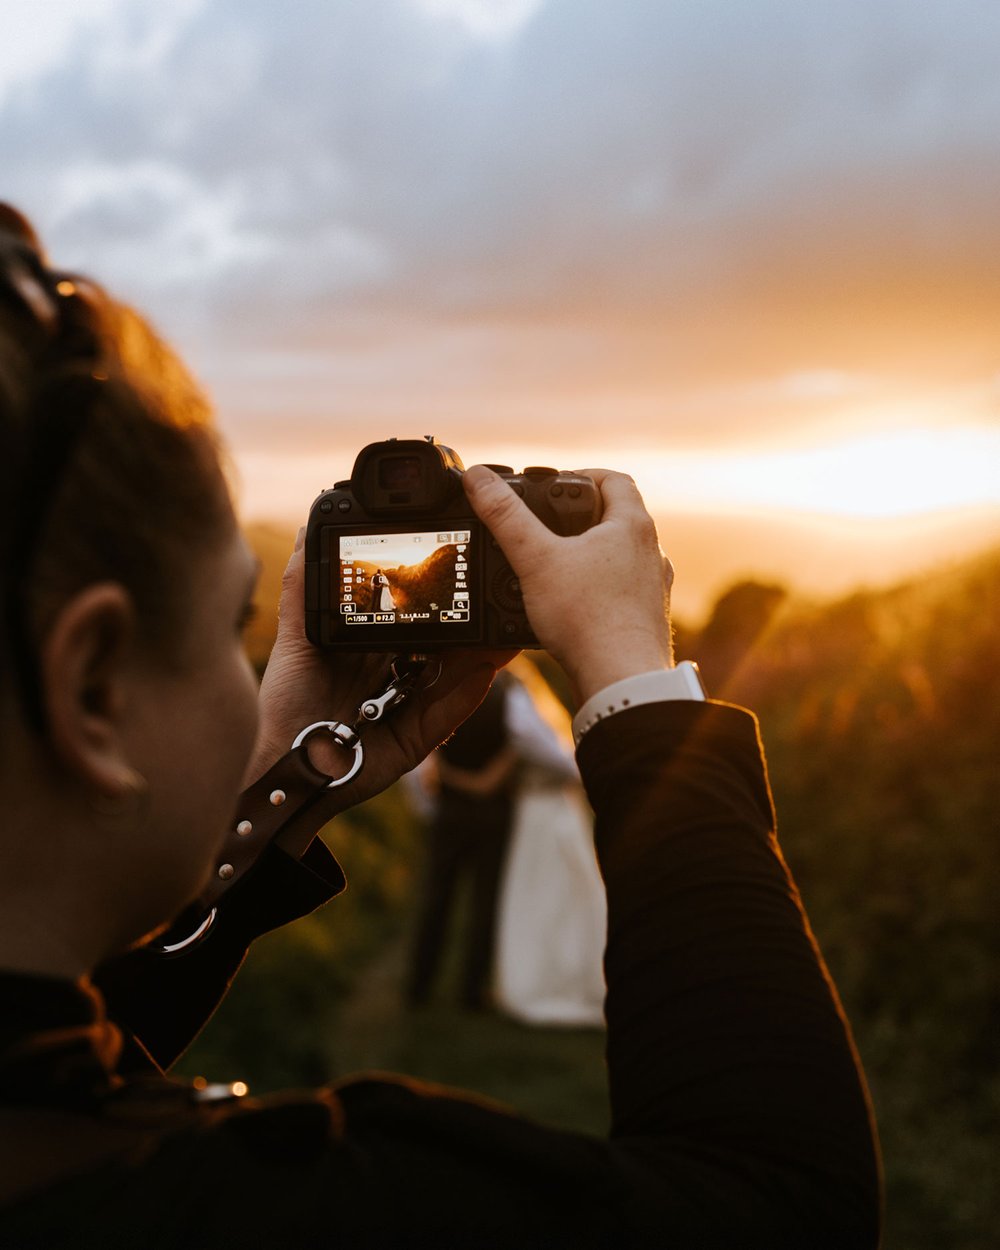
{"points": [[108, 467]]}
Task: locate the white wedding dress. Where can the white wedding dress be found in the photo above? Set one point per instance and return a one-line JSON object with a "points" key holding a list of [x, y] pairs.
{"points": [[553, 913]]}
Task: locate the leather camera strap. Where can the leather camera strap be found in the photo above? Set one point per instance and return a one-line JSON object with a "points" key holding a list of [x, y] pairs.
{"points": [[264, 811], [267, 812]]}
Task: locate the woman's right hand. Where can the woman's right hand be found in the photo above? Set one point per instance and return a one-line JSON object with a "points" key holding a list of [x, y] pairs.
{"points": [[598, 601]]}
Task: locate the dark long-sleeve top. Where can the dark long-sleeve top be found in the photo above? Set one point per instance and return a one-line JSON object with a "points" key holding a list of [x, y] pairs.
{"points": [[739, 1115]]}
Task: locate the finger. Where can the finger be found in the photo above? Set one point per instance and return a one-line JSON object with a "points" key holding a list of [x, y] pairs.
{"points": [[505, 515], [431, 714], [439, 709], [291, 604], [618, 490], [455, 668], [459, 668]]}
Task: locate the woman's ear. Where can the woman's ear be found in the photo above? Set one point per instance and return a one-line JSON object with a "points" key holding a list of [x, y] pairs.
{"points": [[85, 664]]}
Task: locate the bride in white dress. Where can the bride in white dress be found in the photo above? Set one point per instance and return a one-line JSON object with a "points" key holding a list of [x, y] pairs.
{"points": [[552, 912], [552, 915], [382, 600]]}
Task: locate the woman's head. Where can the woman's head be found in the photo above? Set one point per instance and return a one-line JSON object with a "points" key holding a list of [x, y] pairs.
{"points": [[108, 469], [127, 706]]}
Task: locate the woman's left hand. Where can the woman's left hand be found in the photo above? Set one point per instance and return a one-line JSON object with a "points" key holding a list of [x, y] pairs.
{"points": [[304, 684]]}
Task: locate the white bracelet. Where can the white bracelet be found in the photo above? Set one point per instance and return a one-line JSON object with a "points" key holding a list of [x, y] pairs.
{"points": [[659, 686]]}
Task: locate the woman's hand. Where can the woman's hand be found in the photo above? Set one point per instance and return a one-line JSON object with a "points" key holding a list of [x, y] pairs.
{"points": [[598, 601], [304, 684]]}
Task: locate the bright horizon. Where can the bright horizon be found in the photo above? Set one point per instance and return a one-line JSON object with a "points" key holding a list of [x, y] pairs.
{"points": [[901, 473], [824, 519]]}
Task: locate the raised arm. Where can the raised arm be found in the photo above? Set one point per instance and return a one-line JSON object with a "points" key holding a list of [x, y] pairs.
{"points": [[739, 1113]]}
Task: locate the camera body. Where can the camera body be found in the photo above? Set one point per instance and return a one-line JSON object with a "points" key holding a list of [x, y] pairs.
{"points": [[396, 560]]}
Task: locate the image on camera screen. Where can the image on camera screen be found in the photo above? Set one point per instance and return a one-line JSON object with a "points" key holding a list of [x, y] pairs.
{"points": [[405, 579]]}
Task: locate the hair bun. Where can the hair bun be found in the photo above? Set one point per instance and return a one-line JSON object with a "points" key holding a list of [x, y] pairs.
{"points": [[15, 223]]}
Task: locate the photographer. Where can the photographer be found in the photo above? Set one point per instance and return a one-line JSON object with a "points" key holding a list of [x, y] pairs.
{"points": [[129, 720]]}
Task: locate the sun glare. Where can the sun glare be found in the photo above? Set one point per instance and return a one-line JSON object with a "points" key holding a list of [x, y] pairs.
{"points": [[898, 474]]}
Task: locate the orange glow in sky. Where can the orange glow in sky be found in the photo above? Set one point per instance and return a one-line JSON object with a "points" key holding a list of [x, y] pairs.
{"points": [[821, 518], [896, 474], [900, 473]]}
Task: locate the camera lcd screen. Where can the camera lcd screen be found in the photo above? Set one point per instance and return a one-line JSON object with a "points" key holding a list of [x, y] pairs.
{"points": [[406, 585]]}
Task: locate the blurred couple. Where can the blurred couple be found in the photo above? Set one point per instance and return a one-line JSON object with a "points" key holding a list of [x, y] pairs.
{"points": [[505, 813]]}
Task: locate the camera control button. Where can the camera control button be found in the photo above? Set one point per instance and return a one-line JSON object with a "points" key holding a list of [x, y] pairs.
{"points": [[574, 492], [538, 470], [343, 505], [507, 591], [555, 490], [326, 505]]}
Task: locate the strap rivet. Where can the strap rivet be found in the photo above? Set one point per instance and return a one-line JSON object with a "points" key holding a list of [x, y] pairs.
{"points": [[226, 871], [277, 798], [244, 828]]}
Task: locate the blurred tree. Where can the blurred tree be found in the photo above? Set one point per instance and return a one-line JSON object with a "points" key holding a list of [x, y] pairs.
{"points": [[736, 623]]}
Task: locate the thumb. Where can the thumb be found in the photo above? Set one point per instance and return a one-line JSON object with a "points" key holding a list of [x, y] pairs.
{"points": [[291, 606], [515, 527]]}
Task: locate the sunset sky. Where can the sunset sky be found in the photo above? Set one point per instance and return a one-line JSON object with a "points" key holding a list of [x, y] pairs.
{"points": [[746, 251]]}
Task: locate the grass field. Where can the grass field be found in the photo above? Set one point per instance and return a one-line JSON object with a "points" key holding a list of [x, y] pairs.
{"points": [[555, 1075]]}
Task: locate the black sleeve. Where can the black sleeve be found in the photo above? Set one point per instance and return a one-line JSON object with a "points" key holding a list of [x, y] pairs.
{"points": [[732, 1071], [163, 1002]]}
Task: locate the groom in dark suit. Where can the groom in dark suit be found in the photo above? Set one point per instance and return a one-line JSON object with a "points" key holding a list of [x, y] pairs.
{"points": [[467, 841]]}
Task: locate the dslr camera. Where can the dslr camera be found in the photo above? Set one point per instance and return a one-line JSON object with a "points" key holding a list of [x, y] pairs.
{"points": [[396, 560]]}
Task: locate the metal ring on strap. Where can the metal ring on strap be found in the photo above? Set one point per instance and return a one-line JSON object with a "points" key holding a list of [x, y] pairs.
{"points": [[196, 934], [345, 736]]}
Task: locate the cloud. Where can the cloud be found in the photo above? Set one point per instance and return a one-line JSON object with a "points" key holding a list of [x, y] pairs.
{"points": [[484, 19], [640, 203]]}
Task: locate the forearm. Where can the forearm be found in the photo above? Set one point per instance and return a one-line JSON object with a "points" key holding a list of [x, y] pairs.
{"points": [[725, 1039]]}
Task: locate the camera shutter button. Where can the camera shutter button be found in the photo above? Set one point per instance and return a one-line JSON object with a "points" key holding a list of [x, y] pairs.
{"points": [[539, 470]]}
